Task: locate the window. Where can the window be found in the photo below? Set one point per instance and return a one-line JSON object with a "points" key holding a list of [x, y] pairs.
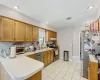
{"points": [[41, 36]]}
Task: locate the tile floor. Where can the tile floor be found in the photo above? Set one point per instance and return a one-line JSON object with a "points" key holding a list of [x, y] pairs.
{"points": [[61, 70]]}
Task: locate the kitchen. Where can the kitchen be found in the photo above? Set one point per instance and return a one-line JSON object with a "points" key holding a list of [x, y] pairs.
{"points": [[32, 43]]}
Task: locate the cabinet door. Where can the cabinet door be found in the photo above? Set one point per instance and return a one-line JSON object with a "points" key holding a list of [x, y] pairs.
{"points": [[29, 33], [37, 76], [49, 57], [55, 34], [20, 31], [52, 55], [93, 71], [35, 33], [31, 56], [45, 56], [49, 35], [7, 29], [99, 25]]}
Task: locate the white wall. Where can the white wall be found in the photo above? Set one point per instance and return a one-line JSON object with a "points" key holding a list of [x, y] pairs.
{"points": [[5, 11], [69, 39]]}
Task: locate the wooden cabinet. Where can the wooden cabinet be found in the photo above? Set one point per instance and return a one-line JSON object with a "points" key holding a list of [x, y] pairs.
{"points": [[48, 57], [17, 31], [29, 33], [35, 33], [6, 29], [51, 34], [45, 58], [31, 56], [99, 25], [20, 31], [52, 55], [37, 76], [55, 34], [92, 71]]}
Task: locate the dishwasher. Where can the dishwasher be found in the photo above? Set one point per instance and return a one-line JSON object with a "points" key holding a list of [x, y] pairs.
{"points": [[39, 56]]}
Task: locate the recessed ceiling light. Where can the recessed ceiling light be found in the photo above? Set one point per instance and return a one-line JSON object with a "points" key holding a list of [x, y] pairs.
{"points": [[90, 7], [87, 22], [46, 22], [16, 7]]}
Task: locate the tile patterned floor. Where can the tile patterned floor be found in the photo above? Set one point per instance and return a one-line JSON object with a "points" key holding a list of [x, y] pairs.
{"points": [[61, 70]]}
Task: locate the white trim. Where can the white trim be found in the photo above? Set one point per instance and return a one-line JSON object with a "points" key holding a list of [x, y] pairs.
{"points": [[76, 58], [62, 58]]}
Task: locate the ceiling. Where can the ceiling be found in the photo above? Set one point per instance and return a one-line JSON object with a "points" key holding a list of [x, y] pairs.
{"points": [[55, 12]]}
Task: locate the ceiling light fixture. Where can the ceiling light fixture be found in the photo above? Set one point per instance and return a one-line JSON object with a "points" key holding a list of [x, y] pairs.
{"points": [[90, 7], [16, 7], [87, 22], [46, 22]]}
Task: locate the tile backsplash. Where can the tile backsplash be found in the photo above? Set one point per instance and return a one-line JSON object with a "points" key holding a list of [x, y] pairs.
{"points": [[7, 45]]}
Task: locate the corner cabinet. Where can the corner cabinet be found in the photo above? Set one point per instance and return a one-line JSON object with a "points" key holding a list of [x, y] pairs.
{"points": [[6, 29]]}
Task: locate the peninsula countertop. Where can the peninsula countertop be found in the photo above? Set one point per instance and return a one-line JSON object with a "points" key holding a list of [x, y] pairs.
{"points": [[22, 67], [93, 58]]}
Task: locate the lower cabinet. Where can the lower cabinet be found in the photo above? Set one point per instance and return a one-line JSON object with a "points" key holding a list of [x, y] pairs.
{"points": [[92, 71], [37, 76], [45, 58], [48, 57], [31, 56]]}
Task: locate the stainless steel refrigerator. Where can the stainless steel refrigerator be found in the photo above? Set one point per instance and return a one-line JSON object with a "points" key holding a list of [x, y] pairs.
{"points": [[87, 41]]}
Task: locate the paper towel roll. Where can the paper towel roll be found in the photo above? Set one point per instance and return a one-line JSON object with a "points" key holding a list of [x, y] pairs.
{"points": [[13, 52]]}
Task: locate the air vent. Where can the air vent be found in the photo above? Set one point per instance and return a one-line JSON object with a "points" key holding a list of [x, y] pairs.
{"points": [[68, 18]]}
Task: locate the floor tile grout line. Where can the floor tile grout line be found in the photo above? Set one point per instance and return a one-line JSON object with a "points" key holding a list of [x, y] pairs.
{"points": [[73, 73], [58, 73], [67, 72], [51, 73]]}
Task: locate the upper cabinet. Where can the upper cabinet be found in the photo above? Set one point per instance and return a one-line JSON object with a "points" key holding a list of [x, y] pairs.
{"points": [[35, 33], [20, 31], [51, 34], [6, 29], [29, 33], [16, 31]]}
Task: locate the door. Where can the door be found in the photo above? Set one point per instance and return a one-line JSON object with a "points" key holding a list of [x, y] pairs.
{"points": [[29, 32], [20, 31], [35, 33], [7, 29]]}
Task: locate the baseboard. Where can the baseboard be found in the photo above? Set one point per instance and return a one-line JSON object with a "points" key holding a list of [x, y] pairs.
{"points": [[62, 58], [76, 58]]}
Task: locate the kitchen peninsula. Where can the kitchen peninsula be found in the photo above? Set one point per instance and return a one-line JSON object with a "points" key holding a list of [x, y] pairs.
{"points": [[22, 67]]}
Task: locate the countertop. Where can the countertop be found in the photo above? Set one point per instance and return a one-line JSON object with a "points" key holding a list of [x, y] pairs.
{"points": [[22, 67], [92, 58], [37, 51]]}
